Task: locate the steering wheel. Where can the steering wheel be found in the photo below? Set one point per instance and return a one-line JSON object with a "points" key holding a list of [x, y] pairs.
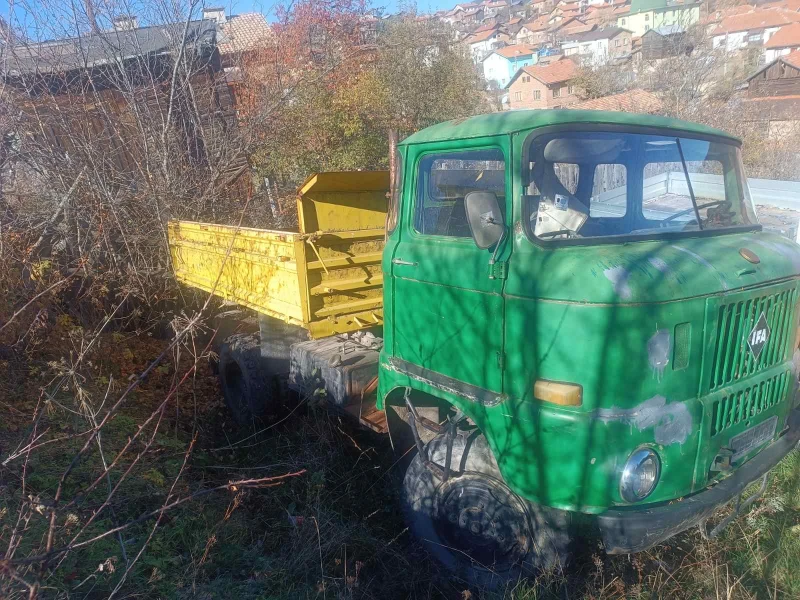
{"points": [[691, 210]]}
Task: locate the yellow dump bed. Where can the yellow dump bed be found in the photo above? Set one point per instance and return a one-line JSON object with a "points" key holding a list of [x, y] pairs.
{"points": [[326, 278]]}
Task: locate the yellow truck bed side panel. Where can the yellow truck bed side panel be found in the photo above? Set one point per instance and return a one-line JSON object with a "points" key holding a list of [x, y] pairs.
{"points": [[327, 278], [253, 267]]}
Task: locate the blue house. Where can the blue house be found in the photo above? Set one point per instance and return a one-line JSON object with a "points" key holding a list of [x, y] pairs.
{"points": [[503, 63]]}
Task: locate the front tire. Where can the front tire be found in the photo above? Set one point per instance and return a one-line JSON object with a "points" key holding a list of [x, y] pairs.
{"points": [[474, 523]]}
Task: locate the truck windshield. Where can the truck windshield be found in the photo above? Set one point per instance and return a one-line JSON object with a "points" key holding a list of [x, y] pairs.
{"points": [[598, 184]]}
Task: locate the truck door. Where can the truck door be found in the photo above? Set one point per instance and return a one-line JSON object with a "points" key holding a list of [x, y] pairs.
{"points": [[447, 306]]}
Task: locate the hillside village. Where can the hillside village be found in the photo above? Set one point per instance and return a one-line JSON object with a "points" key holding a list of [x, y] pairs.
{"points": [[532, 54], [651, 56]]}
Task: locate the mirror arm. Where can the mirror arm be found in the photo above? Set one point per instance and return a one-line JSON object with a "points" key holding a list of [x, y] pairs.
{"points": [[493, 260]]}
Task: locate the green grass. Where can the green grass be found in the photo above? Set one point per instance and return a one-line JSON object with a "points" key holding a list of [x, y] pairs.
{"points": [[336, 531]]}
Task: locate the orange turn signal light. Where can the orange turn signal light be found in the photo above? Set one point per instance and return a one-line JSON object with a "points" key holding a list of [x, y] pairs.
{"points": [[558, 392]]}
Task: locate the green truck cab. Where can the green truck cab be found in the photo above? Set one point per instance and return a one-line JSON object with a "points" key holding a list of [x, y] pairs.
{"points": [[583, 328], [593, 296]]}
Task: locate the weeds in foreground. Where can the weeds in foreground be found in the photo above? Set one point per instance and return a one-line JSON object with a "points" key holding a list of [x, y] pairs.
{"points": [[332, 532]]}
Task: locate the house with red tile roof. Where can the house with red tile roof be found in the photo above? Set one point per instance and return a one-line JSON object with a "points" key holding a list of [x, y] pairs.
{"points": [[570, 26], [242, 33], [784, 41], [715, 17], [495, 8], [603, 15], [752, 28], [598, 47], [486, 27], [533, 32], [482, 43], [548, 86], [543, 7]]}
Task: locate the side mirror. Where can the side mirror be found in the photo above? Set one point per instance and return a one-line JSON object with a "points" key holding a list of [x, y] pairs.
{"points": [[484, 218]]}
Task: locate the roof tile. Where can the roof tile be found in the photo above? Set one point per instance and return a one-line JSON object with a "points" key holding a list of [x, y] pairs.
{"points": [[560, 70], [755, 19], [793, 58], [480, 36], [636, 101], [515, 51], [244, 32], [786, 37]]}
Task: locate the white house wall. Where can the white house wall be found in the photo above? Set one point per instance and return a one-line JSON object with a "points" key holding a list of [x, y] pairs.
{"points": [[495, 68]]}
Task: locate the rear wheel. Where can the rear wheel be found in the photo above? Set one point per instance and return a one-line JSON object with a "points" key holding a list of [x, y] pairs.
{"points": [[474, 523], [249, 389]]}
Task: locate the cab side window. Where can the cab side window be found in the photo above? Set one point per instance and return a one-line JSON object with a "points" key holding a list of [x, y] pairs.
{"points": [[443, 181]]}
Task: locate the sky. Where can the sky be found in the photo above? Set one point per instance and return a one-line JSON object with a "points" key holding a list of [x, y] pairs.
{"points": [[233, 6]]}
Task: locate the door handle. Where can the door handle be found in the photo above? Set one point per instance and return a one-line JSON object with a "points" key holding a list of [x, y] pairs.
{"points": [[400, 261]]}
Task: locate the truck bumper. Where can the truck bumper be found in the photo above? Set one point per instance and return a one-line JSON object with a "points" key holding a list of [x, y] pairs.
{"points": [[627, 531]]}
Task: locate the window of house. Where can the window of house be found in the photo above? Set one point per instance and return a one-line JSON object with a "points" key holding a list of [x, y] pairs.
{"points": [[625, 42], [571, 89], [557, 93], [537, 94], [647, 17], [622, 22], [443, 181], [616, 43], [517, 96], [647, 27]]}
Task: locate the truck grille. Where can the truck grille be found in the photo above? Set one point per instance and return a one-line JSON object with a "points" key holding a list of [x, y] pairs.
{"points": [[748, 403], [732, 357]]}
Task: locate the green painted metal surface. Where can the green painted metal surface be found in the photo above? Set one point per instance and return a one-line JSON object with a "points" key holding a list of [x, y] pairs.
{"points": [[594, 315], [513, 121]]}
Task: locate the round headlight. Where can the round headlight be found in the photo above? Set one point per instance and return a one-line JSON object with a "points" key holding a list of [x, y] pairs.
{"points": [[640, 475]]}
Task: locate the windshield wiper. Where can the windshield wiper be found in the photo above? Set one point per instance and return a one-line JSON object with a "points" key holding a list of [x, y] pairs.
{"points": [[689, 184]]}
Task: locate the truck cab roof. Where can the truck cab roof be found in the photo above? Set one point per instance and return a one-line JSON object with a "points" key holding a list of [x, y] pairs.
{"points": [[508, 122]]}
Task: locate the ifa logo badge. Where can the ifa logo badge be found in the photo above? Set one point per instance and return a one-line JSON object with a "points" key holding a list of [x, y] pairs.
{"points": [[758, 336]]}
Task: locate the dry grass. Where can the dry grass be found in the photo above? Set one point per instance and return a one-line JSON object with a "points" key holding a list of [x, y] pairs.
{"points": [[334, 532]]}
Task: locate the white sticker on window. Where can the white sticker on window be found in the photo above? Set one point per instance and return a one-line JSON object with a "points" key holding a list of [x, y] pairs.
{"points": [[561, 202]]}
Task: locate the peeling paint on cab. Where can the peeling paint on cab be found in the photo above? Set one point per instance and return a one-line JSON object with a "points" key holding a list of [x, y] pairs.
{"points": [[619, 277], [671, 423]]}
